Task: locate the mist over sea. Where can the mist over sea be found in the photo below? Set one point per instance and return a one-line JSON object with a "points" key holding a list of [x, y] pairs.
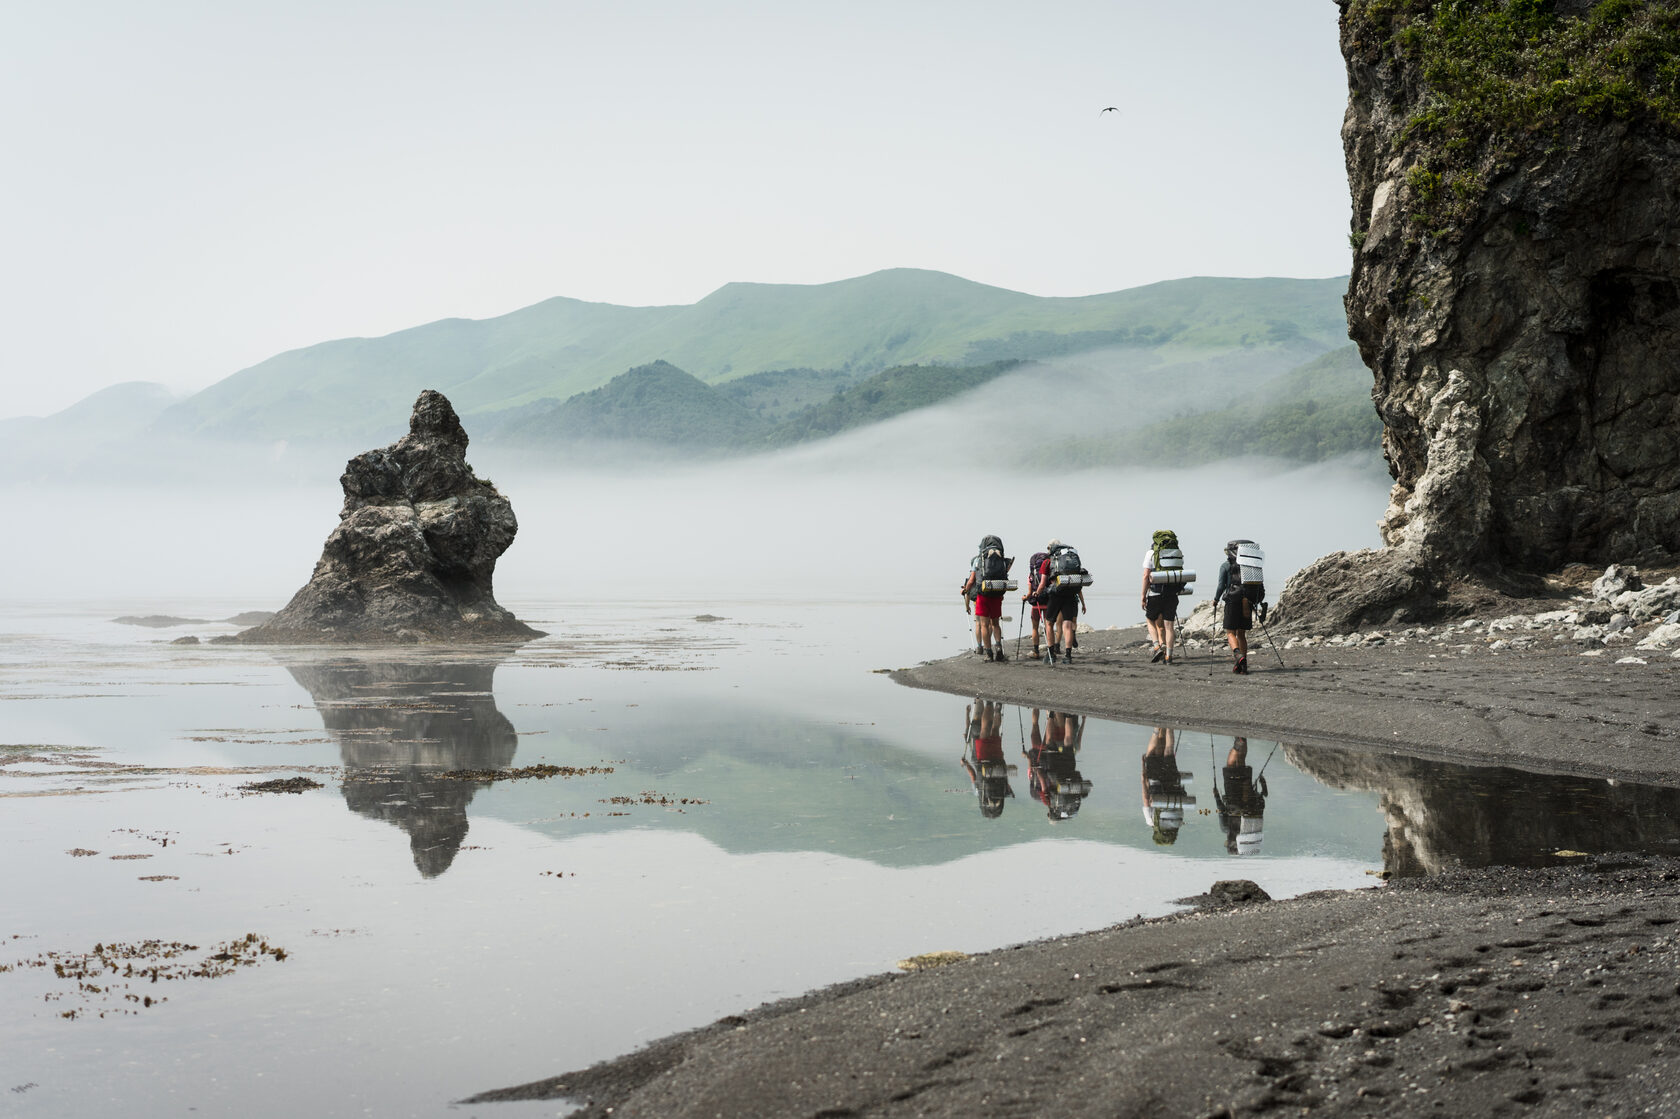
{"points": [[821, 523]]}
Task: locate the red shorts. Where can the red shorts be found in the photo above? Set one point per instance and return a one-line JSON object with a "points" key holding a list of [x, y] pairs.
{"points": [[988, 606]]}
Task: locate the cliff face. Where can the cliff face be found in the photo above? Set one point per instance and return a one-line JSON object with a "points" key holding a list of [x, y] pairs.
{"points": [[1515, 291], [415, 550]]}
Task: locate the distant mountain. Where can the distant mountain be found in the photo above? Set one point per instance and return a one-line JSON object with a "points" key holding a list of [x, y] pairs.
{"points": [[34, 446], [656, 403], [356, 389]]}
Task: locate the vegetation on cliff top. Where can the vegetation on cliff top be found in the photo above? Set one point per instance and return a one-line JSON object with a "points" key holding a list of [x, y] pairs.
{"points": [[1500, 73]]}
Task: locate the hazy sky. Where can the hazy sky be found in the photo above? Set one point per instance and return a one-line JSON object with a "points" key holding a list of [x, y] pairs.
{"points": [[192, 187]]}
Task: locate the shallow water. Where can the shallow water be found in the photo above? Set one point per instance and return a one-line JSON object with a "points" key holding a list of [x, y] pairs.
{"points": [[765, 815]]}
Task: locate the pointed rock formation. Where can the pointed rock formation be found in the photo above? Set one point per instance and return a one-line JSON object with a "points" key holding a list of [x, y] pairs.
{"points": [[1516, 293], [414, 552]]}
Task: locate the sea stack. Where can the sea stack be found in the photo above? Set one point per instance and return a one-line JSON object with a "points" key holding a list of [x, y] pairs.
{"points": [[1516, 293], [415, 550]]}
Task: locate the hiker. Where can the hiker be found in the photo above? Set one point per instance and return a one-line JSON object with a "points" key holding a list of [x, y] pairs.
{"points": [[1159, 597], [1242, 808], [983, 591], [1164, 795], [983, 745], [1053, 766], [1230, 593], [1064, 582], [1036, 597]]}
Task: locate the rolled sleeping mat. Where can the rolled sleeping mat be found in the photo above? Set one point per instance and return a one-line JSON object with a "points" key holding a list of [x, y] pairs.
{"points": [[1249, 835], [997, 586], [1172, 577], [1070, 582]]}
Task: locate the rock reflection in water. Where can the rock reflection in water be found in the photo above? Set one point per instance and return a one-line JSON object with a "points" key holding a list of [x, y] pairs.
{"points": [[399, 726], [1442, 816]]}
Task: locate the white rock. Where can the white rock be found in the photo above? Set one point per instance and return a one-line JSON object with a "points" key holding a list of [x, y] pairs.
{"points": [[1662, 637], [1499, 646], [1552, 617], [1629, 660], [1593, 653]]}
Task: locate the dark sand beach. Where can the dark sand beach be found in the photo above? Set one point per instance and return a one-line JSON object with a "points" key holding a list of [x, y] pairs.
{"points": [[1537, 991]]}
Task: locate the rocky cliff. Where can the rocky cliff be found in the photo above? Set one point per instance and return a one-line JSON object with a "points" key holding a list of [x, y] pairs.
{"points": [[1515, 172], [415, 550]]}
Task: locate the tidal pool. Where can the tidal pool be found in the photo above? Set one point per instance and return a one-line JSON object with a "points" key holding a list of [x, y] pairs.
{"points": [[742, 810]]}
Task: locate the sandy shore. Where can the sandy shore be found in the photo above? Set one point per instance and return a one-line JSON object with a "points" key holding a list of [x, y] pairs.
{"points": [[1500, 992], [1543, 708]]}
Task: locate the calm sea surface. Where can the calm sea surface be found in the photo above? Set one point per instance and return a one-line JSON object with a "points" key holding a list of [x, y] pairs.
{"points": [[748, 811]]}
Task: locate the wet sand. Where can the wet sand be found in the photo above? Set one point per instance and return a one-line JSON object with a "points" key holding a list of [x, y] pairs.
{"points": [[1502, 991], [1545, 709]]}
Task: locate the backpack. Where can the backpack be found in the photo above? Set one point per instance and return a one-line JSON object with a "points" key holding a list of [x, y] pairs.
{"points": [[1065, 561], [994, 565], [1033, 565], [1246, 569], [1166, 541]]}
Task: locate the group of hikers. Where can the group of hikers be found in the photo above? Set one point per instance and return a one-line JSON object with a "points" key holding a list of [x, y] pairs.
{"points": [[1055, 593], [1054, 779]]}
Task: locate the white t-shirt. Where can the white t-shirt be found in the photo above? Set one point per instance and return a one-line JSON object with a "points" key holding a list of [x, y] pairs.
{"points": [[1149, 565]]}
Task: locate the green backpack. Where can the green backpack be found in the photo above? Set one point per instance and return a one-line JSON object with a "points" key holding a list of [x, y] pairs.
{"points": [[1166, 538]]}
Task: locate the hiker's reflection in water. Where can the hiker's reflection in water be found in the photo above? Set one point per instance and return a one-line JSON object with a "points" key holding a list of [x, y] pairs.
{"points": [[983, 756], [1242, 803], [1164, 796], [1052, 766]]}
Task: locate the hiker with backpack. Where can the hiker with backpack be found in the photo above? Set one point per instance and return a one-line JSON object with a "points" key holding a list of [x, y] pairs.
{"points": [[1063, 581], [983, 591], [1238, 588], [1164, 578], [1036, 597]]}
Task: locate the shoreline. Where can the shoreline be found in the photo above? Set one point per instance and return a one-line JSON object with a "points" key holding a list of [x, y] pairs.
{"points": [[1494, 990], [1489, 991], [1543, 709]]}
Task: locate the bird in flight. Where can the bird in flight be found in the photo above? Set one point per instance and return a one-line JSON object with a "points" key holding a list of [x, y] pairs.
{"points": [[1111, 109]]}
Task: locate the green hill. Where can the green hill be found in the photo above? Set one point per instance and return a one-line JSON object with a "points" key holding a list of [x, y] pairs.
{"points": [[887, 394], [362, 388], [656, 403]]}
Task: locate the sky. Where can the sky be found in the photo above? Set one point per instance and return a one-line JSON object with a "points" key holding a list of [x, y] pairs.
{"points": [[193, 186]]}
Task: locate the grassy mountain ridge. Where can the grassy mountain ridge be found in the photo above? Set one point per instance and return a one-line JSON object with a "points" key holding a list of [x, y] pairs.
{"points": [[354, 388]]}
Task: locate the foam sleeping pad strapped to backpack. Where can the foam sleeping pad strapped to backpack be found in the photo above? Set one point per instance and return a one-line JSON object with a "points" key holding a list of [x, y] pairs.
{"points": [[1066, 571], [1248, 569], [1172, 577]]}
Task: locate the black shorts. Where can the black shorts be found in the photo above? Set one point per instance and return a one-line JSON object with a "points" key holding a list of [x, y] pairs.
{"points": [[1062, 608], [1236, 613], [1159, 606]]}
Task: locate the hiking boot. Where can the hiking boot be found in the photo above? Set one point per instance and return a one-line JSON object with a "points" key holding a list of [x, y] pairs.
{"points": [[1067, 657], [1160, 655], [1050, 656], [1241, 666], [989, 655], [1075, 644], [1001, 655], [1169, 659], [980, 650]]}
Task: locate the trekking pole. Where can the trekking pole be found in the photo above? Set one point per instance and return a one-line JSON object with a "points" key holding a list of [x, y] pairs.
{"points": [[1265, 630], [1020, 617], [1266, 763]]}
